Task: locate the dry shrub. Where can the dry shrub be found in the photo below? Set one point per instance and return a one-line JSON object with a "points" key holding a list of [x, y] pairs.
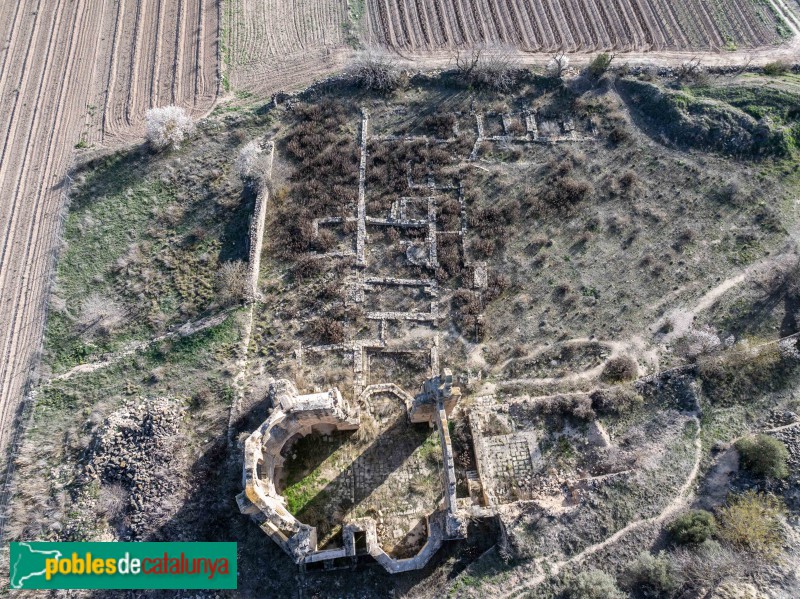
{"points": [[491, 225], [325, 241], [707, 565], [112, 500], [578, 406], [629, 181], [621, 368], [495, 286], [367, 431], [466, 301], [619, 134], [449, 256], [325, 180], [440, 124], [306, 266], [619, 399], [494, 67], [494, 426], [297, 236], [563, 193], [100, 315], [753, 522], [326, 331], [376, 71], [232, 283]]}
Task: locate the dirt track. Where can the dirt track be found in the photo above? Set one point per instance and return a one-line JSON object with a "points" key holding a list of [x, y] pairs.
{"points": [[57, 59]]}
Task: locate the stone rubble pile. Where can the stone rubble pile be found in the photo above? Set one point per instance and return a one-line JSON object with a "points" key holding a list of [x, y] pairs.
{"points": [[135, 448]]}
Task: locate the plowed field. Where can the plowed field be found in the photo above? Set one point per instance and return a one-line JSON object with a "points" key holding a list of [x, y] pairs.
{"points": [[77, 72], [573, 25], [278, 44]]}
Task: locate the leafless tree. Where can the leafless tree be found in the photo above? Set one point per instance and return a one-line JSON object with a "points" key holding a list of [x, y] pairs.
{"points": [[691, 70], [376, 71], [494, 67], [558, 64], [167, 127]]}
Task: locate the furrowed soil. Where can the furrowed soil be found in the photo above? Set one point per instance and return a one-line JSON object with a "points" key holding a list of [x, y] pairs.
{"points": [[77, 74], [574, 25]]}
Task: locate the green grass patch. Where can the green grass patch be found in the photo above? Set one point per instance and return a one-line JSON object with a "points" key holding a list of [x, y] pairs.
{"points": [[300, 494]]}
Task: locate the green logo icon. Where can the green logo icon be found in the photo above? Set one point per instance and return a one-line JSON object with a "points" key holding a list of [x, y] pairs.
{"points": [[36, 565]]}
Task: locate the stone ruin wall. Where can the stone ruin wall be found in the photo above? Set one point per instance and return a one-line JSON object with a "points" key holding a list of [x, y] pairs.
{"points": [[296, 414]]}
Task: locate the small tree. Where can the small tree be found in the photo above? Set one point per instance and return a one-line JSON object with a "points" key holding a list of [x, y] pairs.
{"points": [[250, 163], [753, 522], [592, 584], [764, 456], [600, 64], [167, 127], [558, 65], [376, 71], [693, 527]]}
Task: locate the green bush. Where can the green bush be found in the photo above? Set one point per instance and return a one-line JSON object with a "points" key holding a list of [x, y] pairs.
{"points": [[652, 576], [763, 455], [693, 527], [600, 64], [592, 584], [773, 69]]}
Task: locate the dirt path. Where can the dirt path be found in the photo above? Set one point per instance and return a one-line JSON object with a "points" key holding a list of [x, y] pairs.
{"points": [[72, 71], [524, 580], [186, 329]]}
